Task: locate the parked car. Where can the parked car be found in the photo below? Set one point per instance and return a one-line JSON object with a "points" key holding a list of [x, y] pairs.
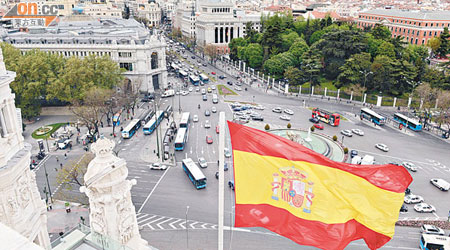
{"points": [[257, 118], [227, 153], [409, 166], [230, 83], [424, 208], [277, 110], [207, 124], [404, 208], [285, 117], [412, 199], [288, 111], [318, 126], [195, 119], [314, 120], [213, 87], [158, 166], [197, 89], [441, 184], [382, 147], [353, 153], [207, 113], [358, 131], [209, 90], [202, 162], [259, 107], [346, 133], [431, 229], [209, 139]]}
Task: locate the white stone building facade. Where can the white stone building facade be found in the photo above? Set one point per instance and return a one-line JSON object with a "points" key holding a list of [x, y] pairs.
{"points": [[21, 207], [126, 41], [185, 18], [101, 10], [151, 11]]}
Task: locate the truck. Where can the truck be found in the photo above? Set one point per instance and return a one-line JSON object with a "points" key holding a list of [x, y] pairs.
{"points": [[168, 93], [368, 160]]}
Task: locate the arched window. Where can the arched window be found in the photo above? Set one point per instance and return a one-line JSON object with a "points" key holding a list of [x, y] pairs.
{"points": [[154, 61]]}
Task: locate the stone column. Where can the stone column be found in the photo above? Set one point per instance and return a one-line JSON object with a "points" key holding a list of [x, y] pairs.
{"points": [[300, 91], [365, 97], [263, 76], [395, 102], [325, 92], [379, 100], [286, 88], [273, 82], [339, 91], [312, 90], [409, 101], [351, 96]]}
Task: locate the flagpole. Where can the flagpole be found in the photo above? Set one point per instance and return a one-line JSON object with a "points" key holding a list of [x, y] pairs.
{"points": [[222, 126]]}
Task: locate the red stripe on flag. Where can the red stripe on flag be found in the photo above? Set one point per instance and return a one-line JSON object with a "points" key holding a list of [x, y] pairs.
{"points": [[389, 177], [305, 232]]}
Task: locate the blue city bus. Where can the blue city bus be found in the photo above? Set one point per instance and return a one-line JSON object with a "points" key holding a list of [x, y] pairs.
{"points": [[194, 173], [204, 78], [131, 128], [116, 119], [408, 122], [181, 139], [372, 116], [151, 125], [194, 80]]}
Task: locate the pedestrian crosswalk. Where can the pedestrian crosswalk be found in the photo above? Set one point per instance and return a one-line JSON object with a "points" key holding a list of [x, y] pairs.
{"points": [[158, 222]]}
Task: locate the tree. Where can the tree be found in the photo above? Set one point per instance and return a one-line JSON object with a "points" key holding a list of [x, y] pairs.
{"points": [[211, 52], [316, 36], [277, 64], [271, 40], [267, 127], [426, 93], [294, 75], [297, 50], [352, 72], [444, 47], [434, 44], [444, 108], [234, 44], [435, 77], [249, 32], [311, 66], [381, 32], [253, 55], [289, 39], [387, 49], [126, 12], [71, 177], [289, 125]]}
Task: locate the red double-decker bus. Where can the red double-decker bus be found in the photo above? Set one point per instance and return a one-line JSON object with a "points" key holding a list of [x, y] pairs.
{"points": [[326, 116]]}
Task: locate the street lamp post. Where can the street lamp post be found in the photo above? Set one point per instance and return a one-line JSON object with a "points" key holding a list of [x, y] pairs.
{"points": [[365, 73], [48, 183], [155, 105], [187, 231]]}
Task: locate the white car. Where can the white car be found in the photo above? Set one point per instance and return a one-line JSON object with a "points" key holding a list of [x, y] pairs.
{"points": [[213, 109], [410, 166], [382, 147], [357, 131], [431, 229], [207, 124], [277, 110], [424, 208], [158, 166], [213, 87], [227, 153], [411, 199], [184, 92], [202, 162], [441, 184], [288, 111], [197, 89], [191, 89], [285, 117], [259, 107], [238, 88], [203, 91], [195, 119], [346, 133]]}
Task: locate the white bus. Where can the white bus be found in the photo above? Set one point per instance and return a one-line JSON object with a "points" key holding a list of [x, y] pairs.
{"points": [[204, 78], [215, 99], [372, 116], [185, 119], [434, 242], [131, 128], [183, 73], [181, 139]]}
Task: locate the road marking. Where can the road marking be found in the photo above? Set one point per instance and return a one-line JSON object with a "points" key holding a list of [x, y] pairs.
{"points": [[183, 226], [162, 222], [192, 225], [398, 158], [42, 162], [171, 224], [146, 219], [154, 188], [434, 213]]}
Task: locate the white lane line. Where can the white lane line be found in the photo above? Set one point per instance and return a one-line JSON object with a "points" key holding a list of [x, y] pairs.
{"points": [[146, 219], [171, 224], [140, 216], [183, 226], [154, 188], [162, 222], [192, 225]]}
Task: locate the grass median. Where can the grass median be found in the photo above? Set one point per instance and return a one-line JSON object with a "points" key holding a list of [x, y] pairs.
{"points": [[224, 90], [48, 131]]}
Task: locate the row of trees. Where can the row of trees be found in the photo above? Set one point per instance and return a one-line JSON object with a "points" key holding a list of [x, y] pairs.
{"points": [[319, 50], [93, 86]]}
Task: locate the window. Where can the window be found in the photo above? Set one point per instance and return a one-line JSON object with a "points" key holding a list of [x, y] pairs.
{"points": [[127, 66], [124, 54], [154, 60], [3, 130]]}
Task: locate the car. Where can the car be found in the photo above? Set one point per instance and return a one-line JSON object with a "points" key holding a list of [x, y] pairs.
{"points": [[382, 147], [404, 208], [209, 90], [191, 89], [193, 57], [318, 126], [441, 184], [197, 89], [213, 73], [314, 120], [409, 166], [214, 109], [213, 87], [204, 64], [199, 64], [412, 199], [195, 118], [238, 88], [158, 166], [221, 77], [285, 117], [357, 131], [227, 153], [202, 162], [288, 111], [431, 229], [257, 118], [205, 98], [217, 129], [203, 91], [207, 113], [225, 167], [237, 109], [64, 143], [353, 153], [184, 93], [209, 139], [259, 107], [207, 124], [231, 185], [346, 132], [424, 208], [276, 110], [230, 83]]}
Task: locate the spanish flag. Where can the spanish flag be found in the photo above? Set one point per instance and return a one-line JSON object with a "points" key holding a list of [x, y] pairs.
{"points": [[302, 195]]}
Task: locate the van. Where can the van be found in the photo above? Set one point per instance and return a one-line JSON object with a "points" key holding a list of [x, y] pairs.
{"points": [[166, 152], [215, 99], [367, 160], [356, 159], [168, 93]]}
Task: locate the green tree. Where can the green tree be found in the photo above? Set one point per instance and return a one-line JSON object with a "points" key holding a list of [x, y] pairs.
{"points": [[271, 40], [311, 66], [373, 45], [297, 50], [234, 44], [351, 71], [381, 32], [249, 32], [289, 39], [386, 49], [434, 44], [294, 75], [435, 77], [253, 55], [316, 36], [444, 47], [277, 64]]}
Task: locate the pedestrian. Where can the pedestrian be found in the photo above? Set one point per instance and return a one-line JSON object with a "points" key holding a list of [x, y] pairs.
{"points": [[57, 158], [60, 165], [101, 124], [65, 156]]}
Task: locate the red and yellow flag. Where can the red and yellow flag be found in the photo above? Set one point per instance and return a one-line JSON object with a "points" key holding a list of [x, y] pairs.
{"points": [[310, 199]]}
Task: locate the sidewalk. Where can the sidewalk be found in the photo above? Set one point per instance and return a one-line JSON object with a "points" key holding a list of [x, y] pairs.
{"points": [[58, 220]]}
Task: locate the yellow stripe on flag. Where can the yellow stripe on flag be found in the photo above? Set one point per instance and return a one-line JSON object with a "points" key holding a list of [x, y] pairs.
{"points": [[329, 195]]}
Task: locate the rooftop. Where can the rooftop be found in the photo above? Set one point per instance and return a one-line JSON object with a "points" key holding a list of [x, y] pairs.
{"points": [[422, 15]]}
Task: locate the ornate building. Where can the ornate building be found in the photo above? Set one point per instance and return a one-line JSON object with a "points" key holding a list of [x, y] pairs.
{"points": [[112, 212], [21, 207]]}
